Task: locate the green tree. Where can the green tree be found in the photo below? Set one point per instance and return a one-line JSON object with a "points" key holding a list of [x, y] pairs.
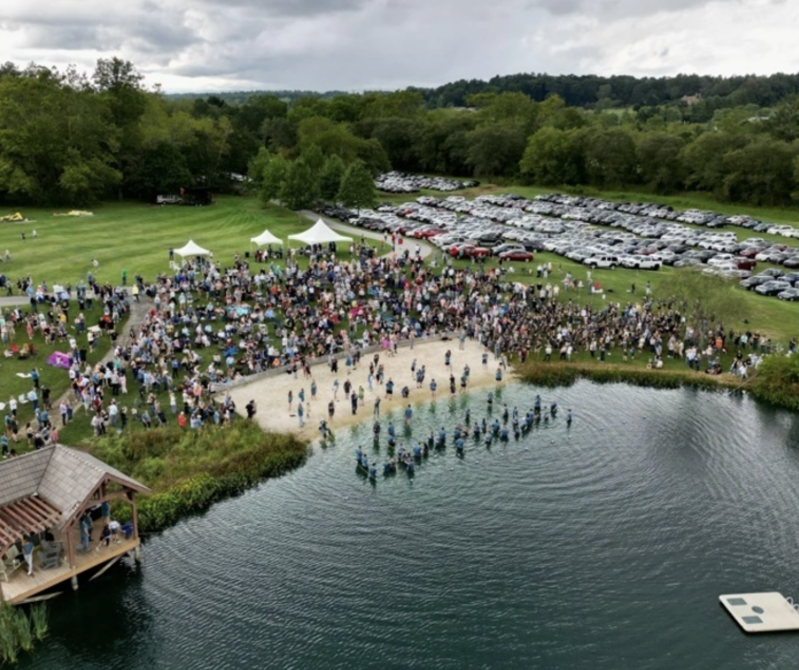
{"points": [[554, 157], [314, 159], [707, 302], [659, 161], [300, 188], [610, 158], [761, 172], [330, 177], [704, 160], [357, 187], [274, 175], [495, 149]]}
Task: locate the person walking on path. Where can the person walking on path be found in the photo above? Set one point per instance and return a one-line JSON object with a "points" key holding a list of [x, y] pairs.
{"points": [[300, 414], [291, 399]]}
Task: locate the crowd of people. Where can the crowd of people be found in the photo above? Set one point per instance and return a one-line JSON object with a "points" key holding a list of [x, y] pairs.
{"points": [[206, 324]]}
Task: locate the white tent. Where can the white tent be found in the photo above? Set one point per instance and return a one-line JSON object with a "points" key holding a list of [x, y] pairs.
{"points": [[265, 238], [192, 249], [319, 233]]}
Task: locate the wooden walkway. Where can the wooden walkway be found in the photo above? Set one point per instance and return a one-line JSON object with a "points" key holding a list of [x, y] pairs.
{"points": [[20, 586]]}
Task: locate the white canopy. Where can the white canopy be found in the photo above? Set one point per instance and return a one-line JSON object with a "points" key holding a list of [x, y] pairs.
{"points": [[319, 233], [192, 249], [265, 238]]}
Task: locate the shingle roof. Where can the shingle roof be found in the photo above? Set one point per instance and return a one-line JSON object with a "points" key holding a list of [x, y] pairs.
{"points": [[20, 476], [63, 476]]}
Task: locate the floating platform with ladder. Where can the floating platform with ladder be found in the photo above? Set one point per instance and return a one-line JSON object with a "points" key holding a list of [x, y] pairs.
{"points": [[768, 612]]}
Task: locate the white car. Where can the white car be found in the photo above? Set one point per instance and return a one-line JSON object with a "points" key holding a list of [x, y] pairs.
{"points": [[641, 262], [602, 261]]}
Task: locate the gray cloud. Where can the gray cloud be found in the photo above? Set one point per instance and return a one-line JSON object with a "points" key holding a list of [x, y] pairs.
{"points": [[360, 44]]}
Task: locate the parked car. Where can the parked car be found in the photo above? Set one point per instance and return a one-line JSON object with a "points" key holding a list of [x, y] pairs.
{"points": [[517, 255], [602, 261], [790, 294], [772, 287]]}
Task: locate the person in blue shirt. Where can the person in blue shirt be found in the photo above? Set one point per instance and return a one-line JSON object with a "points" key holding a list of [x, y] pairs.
{"points": [[408, 415], [27, 551]]}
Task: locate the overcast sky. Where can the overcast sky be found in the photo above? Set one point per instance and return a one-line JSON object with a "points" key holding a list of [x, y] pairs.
{"points": [[223, 45]]}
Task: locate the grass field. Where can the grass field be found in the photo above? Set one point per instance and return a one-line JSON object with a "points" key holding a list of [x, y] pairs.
{"points": [[134, 237]]}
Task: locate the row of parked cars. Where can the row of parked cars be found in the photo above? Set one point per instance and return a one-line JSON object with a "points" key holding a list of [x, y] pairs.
{"points": [[400, 182], [586, 230]]}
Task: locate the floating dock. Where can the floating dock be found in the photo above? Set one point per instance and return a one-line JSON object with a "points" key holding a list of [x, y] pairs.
{"points": [[762, 612]]}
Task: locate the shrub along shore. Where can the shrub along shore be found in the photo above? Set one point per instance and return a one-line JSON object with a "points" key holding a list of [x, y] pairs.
{"points": [[776, 382], [189, 470]]}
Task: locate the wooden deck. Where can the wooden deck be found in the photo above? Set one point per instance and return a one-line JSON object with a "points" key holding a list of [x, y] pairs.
{"points": [[20, 587]]}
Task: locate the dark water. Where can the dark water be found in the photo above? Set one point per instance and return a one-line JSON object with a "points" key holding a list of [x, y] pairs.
{"points": [[605, 546]]}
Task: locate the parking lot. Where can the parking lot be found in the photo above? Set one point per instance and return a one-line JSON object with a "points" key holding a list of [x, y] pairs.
{"points": [[598, 234]]}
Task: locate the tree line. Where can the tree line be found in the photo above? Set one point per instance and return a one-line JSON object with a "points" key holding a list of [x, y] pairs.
{"points": [[67, 137]]}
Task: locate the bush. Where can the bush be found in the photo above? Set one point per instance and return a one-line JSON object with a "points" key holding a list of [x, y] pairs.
{"points": [[189, 470], [777, 381]]}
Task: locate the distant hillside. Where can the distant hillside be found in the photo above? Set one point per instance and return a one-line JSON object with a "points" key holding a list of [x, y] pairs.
{"points": [[238, 97], [587, 91]]}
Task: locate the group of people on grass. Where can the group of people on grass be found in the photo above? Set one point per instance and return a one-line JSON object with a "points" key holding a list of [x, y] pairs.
{"points": [[207, 324]]}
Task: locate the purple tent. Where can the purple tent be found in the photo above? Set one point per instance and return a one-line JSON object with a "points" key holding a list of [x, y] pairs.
{"points": [[59, 360]]}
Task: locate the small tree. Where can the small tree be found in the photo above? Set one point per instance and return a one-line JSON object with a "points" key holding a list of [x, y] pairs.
{"points": [[707, 301], [314, 159], [300, 187], [357, 187], [274, 174], [330, 177]]}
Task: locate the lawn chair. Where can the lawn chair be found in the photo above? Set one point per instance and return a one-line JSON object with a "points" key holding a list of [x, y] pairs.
{"points": [[11, 562]]}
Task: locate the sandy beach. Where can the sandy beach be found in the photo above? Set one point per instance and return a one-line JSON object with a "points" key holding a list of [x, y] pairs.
{"points": [[271, 394]]}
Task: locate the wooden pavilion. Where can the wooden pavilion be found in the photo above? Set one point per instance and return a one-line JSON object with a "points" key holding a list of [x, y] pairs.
{"points": [[43, 495]]}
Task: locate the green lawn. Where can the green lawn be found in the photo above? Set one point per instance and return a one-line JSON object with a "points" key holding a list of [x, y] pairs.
{"points": [[135, 237]]}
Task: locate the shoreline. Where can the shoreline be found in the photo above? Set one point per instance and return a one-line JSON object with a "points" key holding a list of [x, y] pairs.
{"points": [[271, 394]]}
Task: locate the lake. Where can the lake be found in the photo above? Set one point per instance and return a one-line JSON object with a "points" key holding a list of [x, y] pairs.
{"points": [[605, 545]]}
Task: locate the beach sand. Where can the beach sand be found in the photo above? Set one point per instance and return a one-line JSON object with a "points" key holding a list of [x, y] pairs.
{"points": [[271, 394]]}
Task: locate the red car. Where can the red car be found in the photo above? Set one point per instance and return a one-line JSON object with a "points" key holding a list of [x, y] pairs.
{"points": [[427, 233], [516, 255], [745, 263], [472, 251]]}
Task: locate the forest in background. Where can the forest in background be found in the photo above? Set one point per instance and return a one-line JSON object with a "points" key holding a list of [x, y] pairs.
{"points": [[72, 138]]}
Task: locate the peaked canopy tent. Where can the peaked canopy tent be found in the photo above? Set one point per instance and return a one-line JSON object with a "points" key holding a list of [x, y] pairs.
{"points": [[319, 233], [265, 238], [191, 248]]}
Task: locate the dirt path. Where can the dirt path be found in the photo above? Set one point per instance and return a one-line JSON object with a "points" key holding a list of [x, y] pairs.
{"points": [[138, 312]]}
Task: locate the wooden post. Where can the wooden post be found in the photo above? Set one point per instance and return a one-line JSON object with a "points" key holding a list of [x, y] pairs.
{"points": [[134, 516], [70, 546]]}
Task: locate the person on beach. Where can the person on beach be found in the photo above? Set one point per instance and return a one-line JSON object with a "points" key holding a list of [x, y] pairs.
{"points": [[390, 389], [376, 411], [331, 410], [291, 399], [313, 389], [433, 387], [300, 414]]}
